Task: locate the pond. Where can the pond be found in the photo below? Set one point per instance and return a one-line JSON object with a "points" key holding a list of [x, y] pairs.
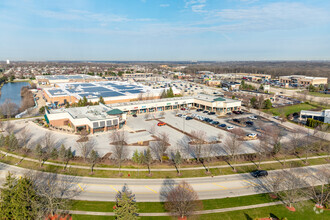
{"points": [[12, 91]]}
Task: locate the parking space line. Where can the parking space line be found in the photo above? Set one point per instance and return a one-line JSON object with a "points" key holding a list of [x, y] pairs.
{"points": [[219, 185], [114, 188], [80, 187], [151, 189]]}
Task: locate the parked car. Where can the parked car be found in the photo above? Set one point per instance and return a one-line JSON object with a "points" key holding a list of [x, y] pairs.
{"points": [[211, 113], [236, 112], [199, 110], [161, 124], [179, 115], [183, 109], [189, 118], [236, 120], [228, 113], [230, 128], [259, 173], [222, 125], [205, 111], [134, 115], [253, 117], [252, 135], [250, 123], [215, 122]]}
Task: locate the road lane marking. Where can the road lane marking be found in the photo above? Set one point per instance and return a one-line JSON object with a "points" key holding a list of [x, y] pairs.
{"points": [[151, 189], [114, 188], [254, 184], [80, 187], [219, 185]]}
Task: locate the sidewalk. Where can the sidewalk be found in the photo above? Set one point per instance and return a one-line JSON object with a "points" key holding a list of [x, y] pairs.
{"points": [[168, 214], [168, 169]]}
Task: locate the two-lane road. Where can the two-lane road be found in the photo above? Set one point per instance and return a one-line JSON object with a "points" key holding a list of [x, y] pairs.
{"points": [[105, 189]]}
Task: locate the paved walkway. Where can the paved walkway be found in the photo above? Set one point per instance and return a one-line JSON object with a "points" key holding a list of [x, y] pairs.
{"points": [[199, 212], [164, 169]]}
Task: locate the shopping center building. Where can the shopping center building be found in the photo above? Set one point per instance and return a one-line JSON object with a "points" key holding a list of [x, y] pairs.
{"points": [[110, 91], [100, 118]]}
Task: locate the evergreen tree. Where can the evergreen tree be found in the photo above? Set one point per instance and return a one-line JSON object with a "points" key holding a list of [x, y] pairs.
{"points": [[136, 158], [126, 207], [163, 95], [18, 199], [93, 158], [39, 153], [267, 104], [6, 195], [170, 93], [62, 152], [84, 101], [177, 161], [101, 100], [24, 199], [147, 158], [54, 154]]}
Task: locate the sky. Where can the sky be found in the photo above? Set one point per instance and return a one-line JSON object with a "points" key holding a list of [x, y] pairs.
{"points": [[165, 30]]}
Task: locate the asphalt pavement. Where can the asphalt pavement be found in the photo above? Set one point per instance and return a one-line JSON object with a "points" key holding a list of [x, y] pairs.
{"points": [[153, 190]]}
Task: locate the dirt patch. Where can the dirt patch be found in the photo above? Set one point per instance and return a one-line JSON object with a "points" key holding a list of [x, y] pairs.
{"points": [[84, 139]]}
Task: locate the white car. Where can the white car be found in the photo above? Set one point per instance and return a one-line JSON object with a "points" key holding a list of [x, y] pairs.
{"points": [[276, 117], [252, 117], [230, 128], [252, 135]]}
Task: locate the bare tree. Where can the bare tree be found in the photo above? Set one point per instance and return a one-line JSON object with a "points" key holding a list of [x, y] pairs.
{"points": [[55, 192], [119, 140], [262, 148], [8, 108], [152, 129], [273, 137], [197, 141], [183, 201], [319, 189], [177, 160], [93, 159], [160, 146], [85, 148], [232, 144], [147, 116], [147, 159]]}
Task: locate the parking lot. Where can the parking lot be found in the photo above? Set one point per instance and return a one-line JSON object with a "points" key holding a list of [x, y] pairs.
{"points": [[177, 126]]}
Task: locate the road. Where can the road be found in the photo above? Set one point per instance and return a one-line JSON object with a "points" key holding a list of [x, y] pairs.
{"points": [[151, 190]]}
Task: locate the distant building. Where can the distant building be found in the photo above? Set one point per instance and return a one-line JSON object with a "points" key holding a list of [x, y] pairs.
{"points": [[303, 80], [53, 79], [8, 62], [323, 116]]}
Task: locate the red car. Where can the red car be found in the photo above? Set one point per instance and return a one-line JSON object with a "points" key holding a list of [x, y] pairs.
{"points": [[161, 124], [183, 109]]}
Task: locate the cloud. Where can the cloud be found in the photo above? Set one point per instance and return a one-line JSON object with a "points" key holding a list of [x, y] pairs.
{"points": [[272, 16], [164, 5], [80, 15], [196, 5]]}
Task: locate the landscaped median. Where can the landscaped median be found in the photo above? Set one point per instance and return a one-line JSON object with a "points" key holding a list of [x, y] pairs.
{"points": [[243, 207], [107, 172]]}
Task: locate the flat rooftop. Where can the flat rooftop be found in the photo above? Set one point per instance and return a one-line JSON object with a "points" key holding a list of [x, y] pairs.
{"points": [[93, 113], [67, 77], [106, 89]]}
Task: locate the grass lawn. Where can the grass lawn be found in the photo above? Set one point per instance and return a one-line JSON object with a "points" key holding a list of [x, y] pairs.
{"points": [[319, 94], [97, 206], [157, 174], [291, 109], [304, 211]]}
